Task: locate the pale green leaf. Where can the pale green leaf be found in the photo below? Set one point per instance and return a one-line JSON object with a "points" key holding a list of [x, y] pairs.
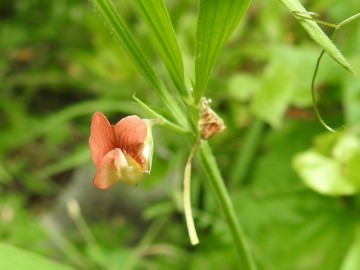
{"points": [[13, 258], [331, 167], [323, 174], [346, 148], [275, 93], [157, 19], [242, 86], [317, 34], [216, 22]]}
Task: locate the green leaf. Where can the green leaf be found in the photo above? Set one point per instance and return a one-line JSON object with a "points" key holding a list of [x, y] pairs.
{"points": [[162, 119], [352, 258], [275, 205], [12, 258], [346, 148], [335, 174], [323, 174], [216, 22], [157, 19], [315, 227], [275, 94], [123, 36], [317, 34]]}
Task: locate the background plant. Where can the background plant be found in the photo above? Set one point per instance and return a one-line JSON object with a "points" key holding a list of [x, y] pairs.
{"points": [[259, 85]]}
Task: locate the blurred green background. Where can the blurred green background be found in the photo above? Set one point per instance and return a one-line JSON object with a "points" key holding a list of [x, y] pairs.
{"points": [[294, 185]]}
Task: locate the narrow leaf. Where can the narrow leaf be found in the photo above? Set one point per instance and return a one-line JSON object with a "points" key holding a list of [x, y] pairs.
{"points": [[163, 120], [216, 22], [12, 258], [123, 36], [158, 21], [317, 34]]}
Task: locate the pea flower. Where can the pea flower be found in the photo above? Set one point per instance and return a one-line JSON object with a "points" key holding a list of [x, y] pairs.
{"points": [[120, 152]]}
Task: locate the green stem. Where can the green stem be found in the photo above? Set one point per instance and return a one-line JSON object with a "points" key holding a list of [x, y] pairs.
{"points": [[317, 112], [316, 109], [312, 17], [216, 181], [163, 120], [75, 214], [150, 235], [246, 155]]}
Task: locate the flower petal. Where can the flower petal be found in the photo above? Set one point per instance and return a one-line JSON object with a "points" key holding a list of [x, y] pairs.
{"points": [[129, 170], [102, 138], [131, 133], [117, 166], [107, 175]]}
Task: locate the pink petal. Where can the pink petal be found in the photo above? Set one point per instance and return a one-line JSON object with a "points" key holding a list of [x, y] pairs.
{"points": [[106, 175], [131, 133], [102, 137]]}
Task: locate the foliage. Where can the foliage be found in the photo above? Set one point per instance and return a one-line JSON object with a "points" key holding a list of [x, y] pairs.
{"points": [[60, 63]]}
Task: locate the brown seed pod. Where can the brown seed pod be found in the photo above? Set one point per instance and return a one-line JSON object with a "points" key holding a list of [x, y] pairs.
{"points": [[209, 122]]}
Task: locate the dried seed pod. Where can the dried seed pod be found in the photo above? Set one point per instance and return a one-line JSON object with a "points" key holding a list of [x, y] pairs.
{"points": [[209, 122]]}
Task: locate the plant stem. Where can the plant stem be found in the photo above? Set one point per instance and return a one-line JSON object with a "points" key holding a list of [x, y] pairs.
{"points": [[250, 146], [75, 214], [187, 197], [209, 163], [150, 235]]}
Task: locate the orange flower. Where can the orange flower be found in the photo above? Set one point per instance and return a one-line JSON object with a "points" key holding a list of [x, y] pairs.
{"points": [[120, 152]]}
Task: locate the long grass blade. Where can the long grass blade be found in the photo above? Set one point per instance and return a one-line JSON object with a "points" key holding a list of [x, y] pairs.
{"points": [[121, 33], [216, 22], [156, 16]]}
